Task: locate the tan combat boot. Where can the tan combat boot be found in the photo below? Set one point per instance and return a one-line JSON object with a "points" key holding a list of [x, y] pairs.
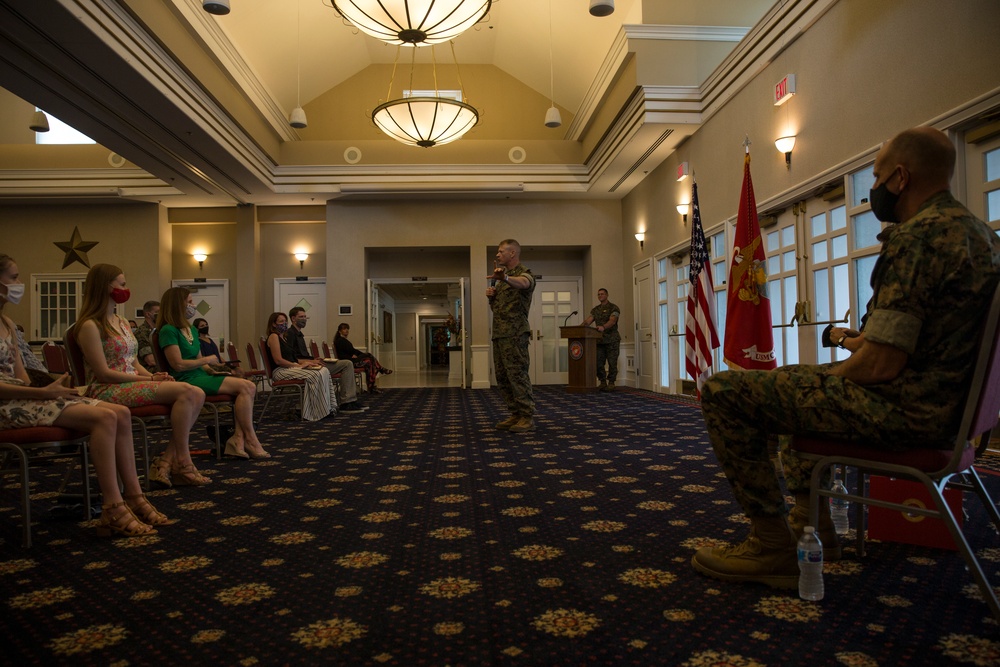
{"points": [[603, 386], [523, 424], [507, 423], [798, 518], [767, 556]]}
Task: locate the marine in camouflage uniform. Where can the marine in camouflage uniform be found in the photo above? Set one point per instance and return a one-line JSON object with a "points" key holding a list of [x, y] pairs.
{"points": [[605, 316], [510, 301], [933, 283]]}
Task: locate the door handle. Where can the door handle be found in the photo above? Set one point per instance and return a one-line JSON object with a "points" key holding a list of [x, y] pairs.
{"points": [[540, 336]]}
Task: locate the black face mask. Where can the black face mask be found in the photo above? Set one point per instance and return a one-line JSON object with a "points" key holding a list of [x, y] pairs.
{"points": [[203, 330], [883, 203]]}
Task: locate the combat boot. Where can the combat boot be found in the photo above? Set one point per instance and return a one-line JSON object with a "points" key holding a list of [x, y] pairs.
{"points": [[767, 556], [603, 386], [611, 385], [523, 424], [507, 423], [798, 518]]}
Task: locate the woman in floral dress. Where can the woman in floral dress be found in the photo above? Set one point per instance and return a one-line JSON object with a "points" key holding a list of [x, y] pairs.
{"points": [[109, 426], [115, 375], [182, 349]]}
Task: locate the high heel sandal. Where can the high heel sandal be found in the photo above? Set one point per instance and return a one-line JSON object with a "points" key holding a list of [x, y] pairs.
{"points": [[188, 475], [145, 512], [159, 471], [234, 449], [257, 452], [123, 523]]}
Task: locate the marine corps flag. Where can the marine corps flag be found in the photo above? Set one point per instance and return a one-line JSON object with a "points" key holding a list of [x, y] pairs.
{"points": [[749, 343]]}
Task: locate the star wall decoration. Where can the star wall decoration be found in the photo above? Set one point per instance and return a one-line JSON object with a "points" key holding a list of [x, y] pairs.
{"points": [[76, 249]]}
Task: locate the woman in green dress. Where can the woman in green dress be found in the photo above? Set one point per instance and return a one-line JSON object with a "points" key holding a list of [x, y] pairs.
{"points": [[181, 347]]}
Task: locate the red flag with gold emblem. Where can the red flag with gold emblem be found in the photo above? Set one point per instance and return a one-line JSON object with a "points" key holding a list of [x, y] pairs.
{"points": [[749, 343]]}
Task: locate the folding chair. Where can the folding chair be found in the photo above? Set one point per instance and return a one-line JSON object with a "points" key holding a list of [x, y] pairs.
{"points": [[38, 443], [936, 469], [211, 402], [253, 374], [142, 417], [279, 387]]}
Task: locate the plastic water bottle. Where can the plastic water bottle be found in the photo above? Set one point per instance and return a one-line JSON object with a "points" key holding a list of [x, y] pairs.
{"points": [[810, 565], [839, 505]]}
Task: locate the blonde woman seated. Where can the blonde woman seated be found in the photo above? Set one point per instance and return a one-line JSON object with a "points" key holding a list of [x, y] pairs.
{"points": [[318, 400], [115, 375], [109, 426], [180, 344]]}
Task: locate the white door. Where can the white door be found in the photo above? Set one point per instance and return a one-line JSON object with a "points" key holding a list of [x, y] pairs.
{"points": [[374, 325], [644, 353], [551, 304], [211, 300], [309, 294]]}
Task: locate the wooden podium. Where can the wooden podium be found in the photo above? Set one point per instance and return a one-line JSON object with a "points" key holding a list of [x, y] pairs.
{"points": [[582, 358]]}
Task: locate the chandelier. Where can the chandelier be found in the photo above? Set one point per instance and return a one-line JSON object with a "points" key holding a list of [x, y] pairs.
{"points": [[413, 22], [422, 119]]}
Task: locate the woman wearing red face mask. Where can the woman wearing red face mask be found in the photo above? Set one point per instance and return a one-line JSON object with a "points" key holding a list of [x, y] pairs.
{"points": [[109, 426], [115, 375]]}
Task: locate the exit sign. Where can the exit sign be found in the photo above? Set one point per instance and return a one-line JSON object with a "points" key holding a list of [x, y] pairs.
{"points": [[784, 90]]}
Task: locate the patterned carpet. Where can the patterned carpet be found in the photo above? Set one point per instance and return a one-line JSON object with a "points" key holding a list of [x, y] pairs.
{"points": [[415, 534]]}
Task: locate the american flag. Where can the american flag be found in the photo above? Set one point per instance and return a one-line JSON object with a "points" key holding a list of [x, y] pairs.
{"points": [[701, 336]]}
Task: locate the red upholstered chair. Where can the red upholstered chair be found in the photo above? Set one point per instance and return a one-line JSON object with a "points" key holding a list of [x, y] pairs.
{"points": [[253, 373], [935, 469], [56, 360], [314, 350], [211, 402], [278, 387], [37, 443], [142, 417], [326, 351]]}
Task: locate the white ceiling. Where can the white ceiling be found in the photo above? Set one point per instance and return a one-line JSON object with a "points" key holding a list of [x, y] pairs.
{"points": [[514, 36]]}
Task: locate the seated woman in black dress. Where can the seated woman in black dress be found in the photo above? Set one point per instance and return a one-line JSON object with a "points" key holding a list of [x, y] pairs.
{"points": [[365, 360]]}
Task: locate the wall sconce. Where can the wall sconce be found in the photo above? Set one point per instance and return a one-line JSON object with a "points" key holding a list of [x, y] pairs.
{"points": [[640, 237], [200, 257], [784, 145], [683, 210], [302, 257]]}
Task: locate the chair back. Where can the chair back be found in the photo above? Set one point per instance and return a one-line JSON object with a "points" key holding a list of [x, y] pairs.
{"points": [[314, 349], [55, 357], [326, 351], [264, 359], [231, 351], [162, 364], [983, 403], [252, 358], [74, 353]]}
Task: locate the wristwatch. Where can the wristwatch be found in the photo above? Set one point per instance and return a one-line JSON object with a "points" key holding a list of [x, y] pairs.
{"points": [[840, 341]]}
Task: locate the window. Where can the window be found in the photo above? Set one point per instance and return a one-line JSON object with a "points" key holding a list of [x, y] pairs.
{"points": [[57, 299], [782, 287], [61, 133]]}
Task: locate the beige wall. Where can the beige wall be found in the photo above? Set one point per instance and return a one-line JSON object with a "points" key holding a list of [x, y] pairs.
{"points": [[864, 71], [126, 236]]}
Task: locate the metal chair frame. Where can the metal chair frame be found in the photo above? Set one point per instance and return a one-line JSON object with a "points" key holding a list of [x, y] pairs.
{"points": [[278, 387], [936, 470]]}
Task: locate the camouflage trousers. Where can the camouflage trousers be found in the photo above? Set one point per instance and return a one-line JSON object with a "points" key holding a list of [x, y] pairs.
{"points": [[511, 362], [607, 353], [744, 408]]}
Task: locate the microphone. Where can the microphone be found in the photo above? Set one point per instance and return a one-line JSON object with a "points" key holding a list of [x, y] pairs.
{"points": [[575, 312]]}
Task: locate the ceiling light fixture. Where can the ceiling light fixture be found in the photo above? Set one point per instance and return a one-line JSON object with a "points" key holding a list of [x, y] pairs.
{"points": [[298, 117], [413, 22], [39, 122], [425, 120], [602, 7], [552, 116], [217, 7]]}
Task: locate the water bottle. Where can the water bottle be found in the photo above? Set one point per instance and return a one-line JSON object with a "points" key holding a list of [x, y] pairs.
{"points": [[810, 551], [839, 505]]}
